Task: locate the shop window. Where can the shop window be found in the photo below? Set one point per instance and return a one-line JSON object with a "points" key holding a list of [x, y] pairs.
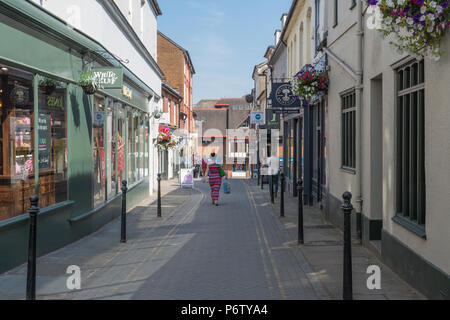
{"points": [[121, 124], [146, 148], [348, 130], [17, 175], [410, 144], [111, 183], [52, 142], [99, 179], [136, 150], [130, 157]]}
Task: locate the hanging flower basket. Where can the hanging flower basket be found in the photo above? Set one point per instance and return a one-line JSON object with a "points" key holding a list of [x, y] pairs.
{"points": [[165, 139], [89, 89], [418, 25], [48, 85], [309, 82], [89, 82]]}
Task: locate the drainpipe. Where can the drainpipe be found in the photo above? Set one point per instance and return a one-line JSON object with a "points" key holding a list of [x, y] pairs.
{"points": [[358, 94]]}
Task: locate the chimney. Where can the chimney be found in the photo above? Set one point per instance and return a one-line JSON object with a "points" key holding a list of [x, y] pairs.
{"points": [[277, 36], [283, 20]]}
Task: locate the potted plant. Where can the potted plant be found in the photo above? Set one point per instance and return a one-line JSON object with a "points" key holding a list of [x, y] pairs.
{"points": [[417, 25], [48, 85], [89, 82]]}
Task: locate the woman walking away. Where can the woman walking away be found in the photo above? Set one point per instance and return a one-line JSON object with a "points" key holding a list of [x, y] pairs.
{"points": [[215, 179]]}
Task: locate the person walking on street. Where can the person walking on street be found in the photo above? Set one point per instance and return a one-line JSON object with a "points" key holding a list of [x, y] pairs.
{"points": [[274, 170], [204, 166], [215, 179]]}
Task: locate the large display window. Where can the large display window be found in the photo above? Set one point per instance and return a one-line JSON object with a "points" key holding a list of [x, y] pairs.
{"points": [[111, 130], [121, 150], [99, 180], [17, 180], [130, 156], [52, 142], [27, 142]]}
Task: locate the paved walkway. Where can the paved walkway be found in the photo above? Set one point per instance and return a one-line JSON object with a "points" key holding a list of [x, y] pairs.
{"points": [[323, 249], [196, 251]]}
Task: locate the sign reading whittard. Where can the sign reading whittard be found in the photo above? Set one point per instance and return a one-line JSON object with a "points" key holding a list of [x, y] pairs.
{"points": [[109, 78]]}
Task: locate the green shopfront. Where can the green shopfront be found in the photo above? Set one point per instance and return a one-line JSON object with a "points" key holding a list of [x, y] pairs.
{"points": [[70, 148]]}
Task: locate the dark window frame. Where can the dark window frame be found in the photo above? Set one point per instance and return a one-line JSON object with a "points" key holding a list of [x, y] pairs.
{"points": [[410, 206], [348, 130]]}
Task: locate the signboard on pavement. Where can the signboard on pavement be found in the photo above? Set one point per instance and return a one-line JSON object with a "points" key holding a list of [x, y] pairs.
{"points": [[187, 177]]}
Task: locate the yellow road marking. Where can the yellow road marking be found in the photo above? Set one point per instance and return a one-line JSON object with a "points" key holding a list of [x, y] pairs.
{"points": [[161, 242], [266, 269], [274, 267]]}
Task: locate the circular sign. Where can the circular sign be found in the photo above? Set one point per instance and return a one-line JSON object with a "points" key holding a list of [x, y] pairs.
{"points": [[258, 116], [284, 95]]}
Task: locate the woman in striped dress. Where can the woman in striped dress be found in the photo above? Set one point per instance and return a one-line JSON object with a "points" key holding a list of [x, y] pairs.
{"points": [[215, 180]]}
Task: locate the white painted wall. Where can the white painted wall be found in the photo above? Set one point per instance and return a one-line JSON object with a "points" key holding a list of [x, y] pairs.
{"points": [[379, 56], [92, 19]]}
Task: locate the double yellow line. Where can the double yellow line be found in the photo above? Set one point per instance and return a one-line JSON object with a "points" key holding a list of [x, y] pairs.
{"points": [[266, 242], [156, 250]]}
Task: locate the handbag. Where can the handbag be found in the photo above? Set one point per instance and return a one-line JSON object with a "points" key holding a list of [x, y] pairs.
{"points": [[222, 173]]}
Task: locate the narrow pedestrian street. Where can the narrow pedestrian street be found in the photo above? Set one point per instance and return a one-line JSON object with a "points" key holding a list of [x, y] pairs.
{"points": [[197, 251], [240, 250]]}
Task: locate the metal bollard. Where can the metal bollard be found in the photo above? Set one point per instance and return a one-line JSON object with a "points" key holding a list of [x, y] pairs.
{"points": [[159, 195], [123, 229], [262, 182], [271, 189], [258, 172], [282, 195], [300, 211], [31, 271], [347, 208]]}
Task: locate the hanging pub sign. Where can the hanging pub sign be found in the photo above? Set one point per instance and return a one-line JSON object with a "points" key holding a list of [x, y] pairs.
{"points": [[284, 99], [272, 119], [109, 78]]}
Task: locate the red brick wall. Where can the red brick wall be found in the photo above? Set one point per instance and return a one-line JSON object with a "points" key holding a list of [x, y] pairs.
{"points": [[172, 61]]}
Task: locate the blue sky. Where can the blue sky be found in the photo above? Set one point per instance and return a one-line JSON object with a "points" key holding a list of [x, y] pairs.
{"points": [[225, 40]]}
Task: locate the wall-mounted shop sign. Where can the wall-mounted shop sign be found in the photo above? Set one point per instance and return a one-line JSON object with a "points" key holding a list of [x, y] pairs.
{"points": [[257, 117], [44, 141], [284, 99], [272, 119], [109, 78], [127, 92]]}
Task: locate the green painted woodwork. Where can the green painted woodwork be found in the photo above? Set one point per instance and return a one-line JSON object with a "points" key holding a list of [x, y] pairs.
{"points": [[40, 43]]}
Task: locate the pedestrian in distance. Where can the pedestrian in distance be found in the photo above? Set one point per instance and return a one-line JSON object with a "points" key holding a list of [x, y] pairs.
{"points": [[204, 166], [215, 173]]}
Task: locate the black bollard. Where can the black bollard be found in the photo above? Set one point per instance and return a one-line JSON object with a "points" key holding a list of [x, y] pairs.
{"points": [[300, 210], [123, 229], [31, 271], [159, 195], [259, 172], [272, 199], [282, 195], [347, 208], [262, 182]]}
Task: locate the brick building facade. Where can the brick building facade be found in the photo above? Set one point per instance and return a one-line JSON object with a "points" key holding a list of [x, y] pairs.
{"points": [[178, 69]]}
